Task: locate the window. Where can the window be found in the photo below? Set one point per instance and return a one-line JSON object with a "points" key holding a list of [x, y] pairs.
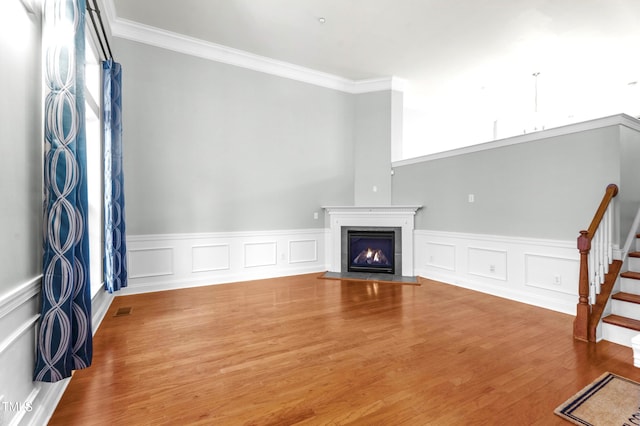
{"points": [[93, 91]]}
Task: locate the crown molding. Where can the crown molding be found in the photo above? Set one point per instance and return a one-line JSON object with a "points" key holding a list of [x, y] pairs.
{"points": [[154, 36]]}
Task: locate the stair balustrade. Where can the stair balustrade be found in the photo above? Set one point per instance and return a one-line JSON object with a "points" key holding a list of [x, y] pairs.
{"points": [[596, 255]]}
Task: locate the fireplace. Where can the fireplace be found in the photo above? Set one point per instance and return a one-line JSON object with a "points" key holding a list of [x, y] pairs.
{"points": [[399, 219], [371, 251]]}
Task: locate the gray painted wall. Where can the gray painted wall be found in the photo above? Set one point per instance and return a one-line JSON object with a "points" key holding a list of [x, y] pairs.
{"points": [[629, 196], [548, 188], [21, 158], [210, 147], [372, 162]]}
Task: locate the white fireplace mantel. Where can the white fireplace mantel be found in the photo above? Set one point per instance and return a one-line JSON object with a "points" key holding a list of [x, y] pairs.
{"points": [[387, 216]]}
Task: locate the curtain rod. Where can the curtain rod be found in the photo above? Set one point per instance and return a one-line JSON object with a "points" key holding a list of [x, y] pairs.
{"points": [[101, 34]]}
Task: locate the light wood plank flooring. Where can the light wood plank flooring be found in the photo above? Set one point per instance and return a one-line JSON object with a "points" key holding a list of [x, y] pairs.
{"points": [[304, 350]]}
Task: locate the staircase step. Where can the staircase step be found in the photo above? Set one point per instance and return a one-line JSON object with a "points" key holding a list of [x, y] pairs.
{"points": [[634, 254], [627, 297], [622, 322], [631, 274]]}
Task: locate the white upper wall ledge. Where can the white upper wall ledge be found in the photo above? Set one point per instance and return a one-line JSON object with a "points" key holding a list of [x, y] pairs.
{"points": [[153, 36], [613, 120]]}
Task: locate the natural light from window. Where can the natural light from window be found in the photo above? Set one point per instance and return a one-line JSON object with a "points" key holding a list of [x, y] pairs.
{"points": [[543, 83], [94, 162]]}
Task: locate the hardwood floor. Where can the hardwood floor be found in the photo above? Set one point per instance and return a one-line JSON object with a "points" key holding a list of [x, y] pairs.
{"points": [[303, 350]]}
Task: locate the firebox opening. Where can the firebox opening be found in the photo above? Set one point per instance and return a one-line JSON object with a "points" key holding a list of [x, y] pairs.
{"points": [[371, 251]]}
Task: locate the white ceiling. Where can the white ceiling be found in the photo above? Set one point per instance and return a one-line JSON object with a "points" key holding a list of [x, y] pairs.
{"points": [[471, 55], [422, 41]]}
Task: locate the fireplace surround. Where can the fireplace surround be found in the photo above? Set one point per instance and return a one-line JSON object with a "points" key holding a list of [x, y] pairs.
{"points": [[399, 219]]}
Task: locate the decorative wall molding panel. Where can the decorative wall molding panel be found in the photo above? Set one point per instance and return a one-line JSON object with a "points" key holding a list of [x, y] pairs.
{"points": [[163, 262], [260, 254], [534, 271], [303, 251], [33, 403], [212, 257], [442, 256], [487, 263], [150, 262], [549, 272], [19, 314]]}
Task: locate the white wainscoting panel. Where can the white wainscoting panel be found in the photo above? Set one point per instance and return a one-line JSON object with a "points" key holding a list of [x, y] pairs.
{"points": [[535, 271], [215, 257], [150, 262], [19, 314], [260, 254], [441, 256], [31, 403], [488, 263], [552, 273], [301, 251], [171, 261]]}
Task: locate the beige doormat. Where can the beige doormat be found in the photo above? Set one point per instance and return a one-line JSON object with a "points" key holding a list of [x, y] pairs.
{"points": [[609, 400]]}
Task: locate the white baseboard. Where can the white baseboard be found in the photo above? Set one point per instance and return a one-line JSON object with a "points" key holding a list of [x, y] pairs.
{"points": [[99, 306], [169, 284]]}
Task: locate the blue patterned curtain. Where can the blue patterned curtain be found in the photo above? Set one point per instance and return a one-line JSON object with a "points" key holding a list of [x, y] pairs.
{"points": [[64, 334], [115, 250]]}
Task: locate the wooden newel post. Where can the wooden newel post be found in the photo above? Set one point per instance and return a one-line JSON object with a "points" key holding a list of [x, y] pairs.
{"points": [[581, 322]]}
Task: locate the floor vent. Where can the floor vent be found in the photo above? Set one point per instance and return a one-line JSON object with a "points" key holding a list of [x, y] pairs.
{"points": [[123, 311]]}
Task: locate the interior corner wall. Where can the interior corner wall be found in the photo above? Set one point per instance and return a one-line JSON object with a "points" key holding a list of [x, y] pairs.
{"points": [[373, 137], [211, 147], [397, 125], [548, 188], [21, 207], [629, 191], [21, 159]]}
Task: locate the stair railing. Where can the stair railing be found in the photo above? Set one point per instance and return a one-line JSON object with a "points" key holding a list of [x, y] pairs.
{"points": [[596, 254]]}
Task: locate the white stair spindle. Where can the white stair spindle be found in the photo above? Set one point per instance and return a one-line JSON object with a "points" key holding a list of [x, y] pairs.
{"points": [[592, 267], [596, 247], [606, 235], [610, 227]]}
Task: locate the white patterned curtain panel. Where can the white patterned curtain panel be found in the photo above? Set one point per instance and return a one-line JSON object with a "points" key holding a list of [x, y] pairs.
{"points": [[115, 250], [64, 335]]}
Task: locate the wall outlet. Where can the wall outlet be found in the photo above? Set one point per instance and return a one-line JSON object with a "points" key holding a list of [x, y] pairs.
{"points": [[315, 215], [471, 198], [557, 280], [492, 268]]}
